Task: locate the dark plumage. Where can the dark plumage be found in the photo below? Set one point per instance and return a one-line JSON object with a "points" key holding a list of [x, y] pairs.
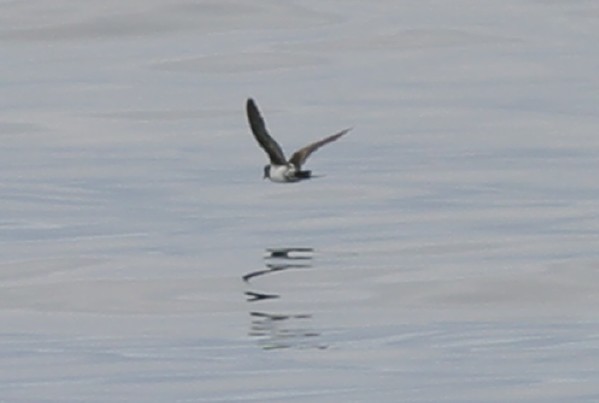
{"points": [[281, 170]]}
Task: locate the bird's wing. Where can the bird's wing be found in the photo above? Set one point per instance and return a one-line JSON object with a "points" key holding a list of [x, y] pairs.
{"points": [[300, 156], [274, 151]]}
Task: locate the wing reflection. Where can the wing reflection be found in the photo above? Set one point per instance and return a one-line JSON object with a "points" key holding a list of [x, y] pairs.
{"points": [[284, 331], [275, 330], [272, 268], [259, 296]]}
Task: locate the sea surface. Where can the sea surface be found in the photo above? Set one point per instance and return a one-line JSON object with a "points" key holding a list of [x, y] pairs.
{"points": [[448, 252]]}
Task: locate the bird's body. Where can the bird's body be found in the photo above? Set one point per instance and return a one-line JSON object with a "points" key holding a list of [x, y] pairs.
{"points": [[280, 173], [280, 170], [285, 173]]}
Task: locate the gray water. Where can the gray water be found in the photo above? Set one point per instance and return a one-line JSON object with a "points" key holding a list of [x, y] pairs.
{"points": [[450, 249]]}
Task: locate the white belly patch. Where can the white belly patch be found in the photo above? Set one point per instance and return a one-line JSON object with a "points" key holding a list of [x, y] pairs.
{"points": [[282, 173]]}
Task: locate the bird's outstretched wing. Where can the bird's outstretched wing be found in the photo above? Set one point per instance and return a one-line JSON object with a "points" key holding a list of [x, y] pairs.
{"points": [[274, 151], [300, 156]]}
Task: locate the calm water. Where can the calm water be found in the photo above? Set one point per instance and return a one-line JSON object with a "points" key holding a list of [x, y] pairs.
{"points": [[450, 252]]}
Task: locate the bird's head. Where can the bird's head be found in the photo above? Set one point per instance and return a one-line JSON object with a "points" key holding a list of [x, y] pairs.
{"points": [[266, 172]]}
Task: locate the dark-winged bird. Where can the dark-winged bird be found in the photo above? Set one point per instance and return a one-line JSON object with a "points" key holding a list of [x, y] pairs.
{"points": [[279, 169]]}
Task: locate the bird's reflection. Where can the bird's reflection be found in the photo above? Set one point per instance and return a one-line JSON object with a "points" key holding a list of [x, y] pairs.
{"points": [[273, 268], [276, 330], [286, 253], [259, 296]]}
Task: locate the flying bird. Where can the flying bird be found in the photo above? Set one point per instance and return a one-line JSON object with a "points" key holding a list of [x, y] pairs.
{"points": [[280, 169]]}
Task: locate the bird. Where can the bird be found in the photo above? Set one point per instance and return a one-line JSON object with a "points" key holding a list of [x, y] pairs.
{"points": [[280, 169]]}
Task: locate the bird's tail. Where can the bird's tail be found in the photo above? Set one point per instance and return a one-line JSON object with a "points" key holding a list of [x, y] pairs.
{"points": [[303, 174]]}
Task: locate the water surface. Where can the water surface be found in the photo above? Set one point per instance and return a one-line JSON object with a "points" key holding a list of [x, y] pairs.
{"points": [[449, 253]]}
